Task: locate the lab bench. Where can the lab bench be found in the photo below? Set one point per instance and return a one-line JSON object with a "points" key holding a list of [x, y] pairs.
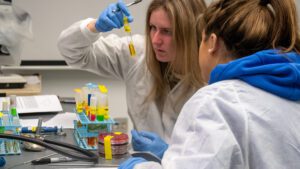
{"points": [[18, 161]]}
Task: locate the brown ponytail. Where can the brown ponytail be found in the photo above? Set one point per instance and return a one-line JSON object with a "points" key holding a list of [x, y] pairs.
{"points": [[248, 26]]}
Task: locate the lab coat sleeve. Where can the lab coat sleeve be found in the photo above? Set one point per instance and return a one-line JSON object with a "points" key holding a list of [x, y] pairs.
{"points": [[203, 137], [106, 56]]}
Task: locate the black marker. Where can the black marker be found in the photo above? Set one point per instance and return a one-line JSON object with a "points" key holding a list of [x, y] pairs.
{"points": [[51, 160]]}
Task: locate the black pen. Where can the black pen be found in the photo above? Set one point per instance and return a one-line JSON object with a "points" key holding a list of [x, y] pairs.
{"points": [[51, 160]]}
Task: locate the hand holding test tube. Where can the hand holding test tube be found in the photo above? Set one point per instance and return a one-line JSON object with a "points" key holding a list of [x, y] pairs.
{"points": [[109, 19], [115, 16]]}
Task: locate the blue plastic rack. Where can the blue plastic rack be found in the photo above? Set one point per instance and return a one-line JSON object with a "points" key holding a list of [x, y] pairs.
{"points": [[9, 124], [84, 129]]}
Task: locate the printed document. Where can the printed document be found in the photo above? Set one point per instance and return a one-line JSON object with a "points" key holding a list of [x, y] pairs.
{"points": [[38, 104]]}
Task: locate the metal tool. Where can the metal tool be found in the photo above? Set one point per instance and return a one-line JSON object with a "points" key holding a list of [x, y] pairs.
{"points": [[134, 2], [129, 4], [35, 147], [39, 127], [32, 147]]}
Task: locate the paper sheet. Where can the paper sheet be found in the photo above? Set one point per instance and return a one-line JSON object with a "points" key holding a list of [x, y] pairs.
{"points": [[38, 104], [64, 120]]}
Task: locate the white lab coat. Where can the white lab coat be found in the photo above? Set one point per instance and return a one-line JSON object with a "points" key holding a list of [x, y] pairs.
{"points": [[109, 57], [232, 125]]}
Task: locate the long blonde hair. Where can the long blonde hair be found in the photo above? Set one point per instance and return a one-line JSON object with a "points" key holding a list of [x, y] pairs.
{"points": [[182, 14], [248, 26]]}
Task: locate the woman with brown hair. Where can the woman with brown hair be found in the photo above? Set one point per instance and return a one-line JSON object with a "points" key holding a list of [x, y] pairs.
{"points": [[159, 79], [248, 116]]}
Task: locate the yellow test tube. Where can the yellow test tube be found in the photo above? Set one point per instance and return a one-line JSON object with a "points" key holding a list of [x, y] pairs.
{"points": [[79, 100], [93, 108], [130, 41], [103, 101], [85, 92]]}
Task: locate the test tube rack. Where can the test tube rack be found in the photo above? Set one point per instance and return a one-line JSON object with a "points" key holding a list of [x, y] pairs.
{"points": [[84, 129], [9, 124]]}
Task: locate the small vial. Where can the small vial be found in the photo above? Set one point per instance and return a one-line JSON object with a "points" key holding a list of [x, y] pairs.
{"points": [[13, 111], [103, 101], [13, 100], [93, 107], [79, 100], [92, 141], [85, 92], [100, 114], [13, 105], [5, 106]]}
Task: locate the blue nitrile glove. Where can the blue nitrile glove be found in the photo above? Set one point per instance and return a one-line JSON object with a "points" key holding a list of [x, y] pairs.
{"points": [[148, 141], [131, 162], [112, 17], [2, 161]]}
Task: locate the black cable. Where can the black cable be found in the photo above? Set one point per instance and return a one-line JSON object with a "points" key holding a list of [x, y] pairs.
{"points": [[70, 146], [87, 155]]}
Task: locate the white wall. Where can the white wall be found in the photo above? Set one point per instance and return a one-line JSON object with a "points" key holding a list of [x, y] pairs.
{"points": [[50, 17]]}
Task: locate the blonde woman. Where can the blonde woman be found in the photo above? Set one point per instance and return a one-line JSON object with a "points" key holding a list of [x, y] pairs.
{"points": [[159, 79]]}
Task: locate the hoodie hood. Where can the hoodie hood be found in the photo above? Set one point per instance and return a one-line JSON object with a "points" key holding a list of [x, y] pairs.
{"points": [[269, 70]]}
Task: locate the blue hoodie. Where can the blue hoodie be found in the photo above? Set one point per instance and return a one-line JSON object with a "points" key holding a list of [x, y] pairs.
{"points": [[269, 70]]}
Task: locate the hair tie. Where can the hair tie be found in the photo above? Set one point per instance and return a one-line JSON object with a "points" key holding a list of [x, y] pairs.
{"points": [[264, 2]]}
